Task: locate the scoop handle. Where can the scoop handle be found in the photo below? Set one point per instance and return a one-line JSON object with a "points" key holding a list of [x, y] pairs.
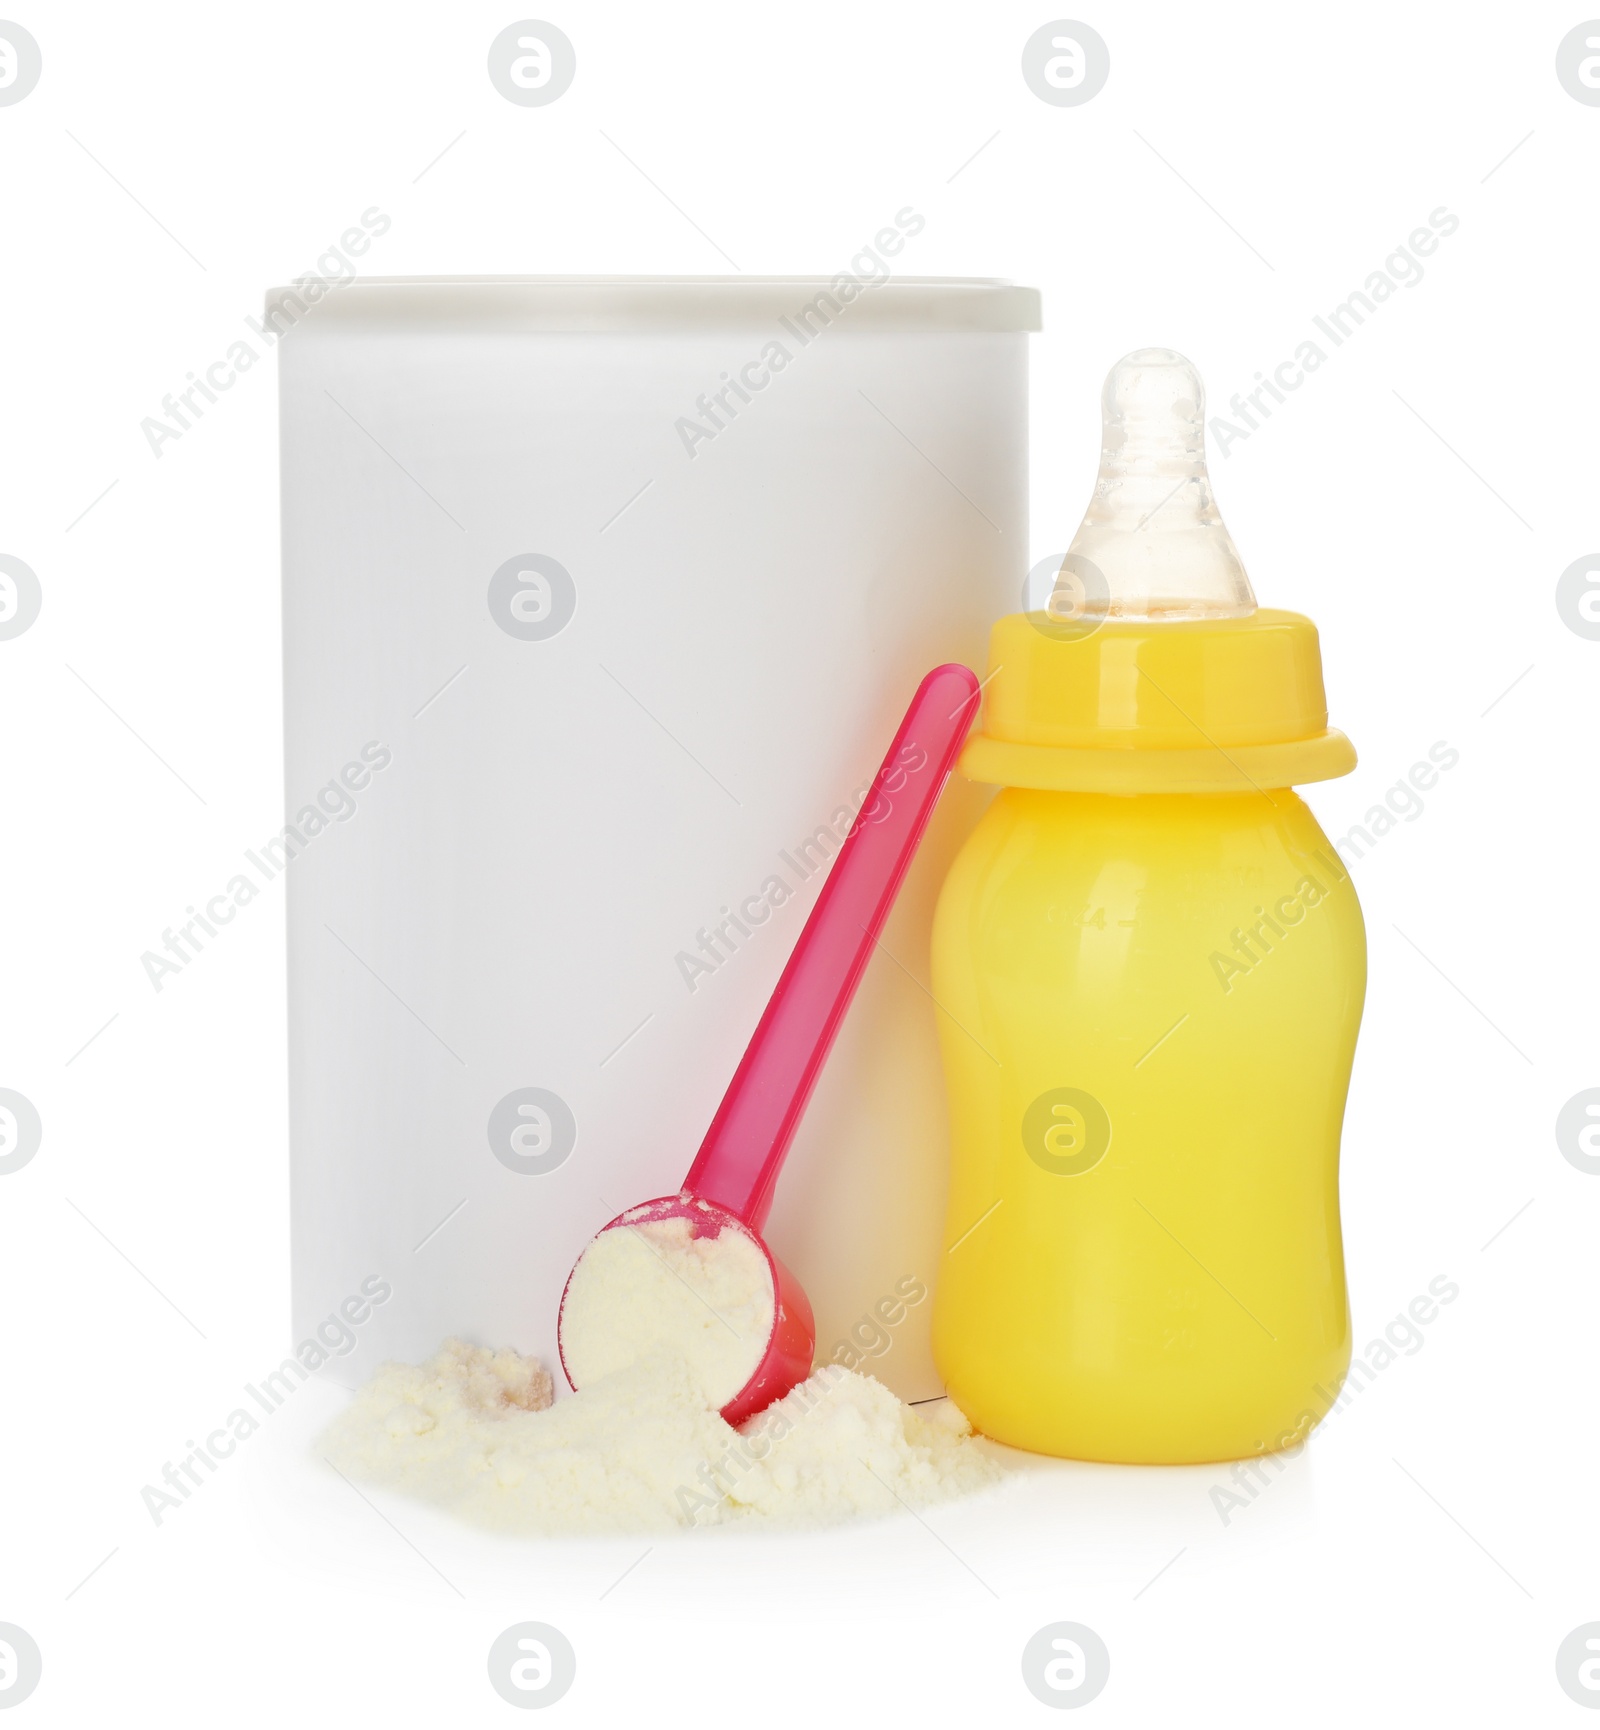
{"points": [[738, 1162]]}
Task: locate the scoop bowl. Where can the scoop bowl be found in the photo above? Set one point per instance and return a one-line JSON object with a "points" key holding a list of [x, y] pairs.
{"points": [[786, 1360]]}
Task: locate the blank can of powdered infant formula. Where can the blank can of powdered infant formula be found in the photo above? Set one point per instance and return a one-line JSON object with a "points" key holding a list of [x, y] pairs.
{"points": [[602, 599]]}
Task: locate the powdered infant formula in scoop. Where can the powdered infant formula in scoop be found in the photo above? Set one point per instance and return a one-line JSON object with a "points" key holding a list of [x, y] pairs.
{"points": [[640, 1288]]}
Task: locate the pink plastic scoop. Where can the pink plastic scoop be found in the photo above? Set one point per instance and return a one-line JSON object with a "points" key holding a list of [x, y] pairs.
{"points": [[729, 1187]]}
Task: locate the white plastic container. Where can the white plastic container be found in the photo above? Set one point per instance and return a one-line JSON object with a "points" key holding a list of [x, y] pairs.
{"points": [[601, 601]]}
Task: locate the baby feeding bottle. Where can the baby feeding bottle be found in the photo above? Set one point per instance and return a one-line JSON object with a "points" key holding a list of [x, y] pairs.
{"points": [[1149, 964]]}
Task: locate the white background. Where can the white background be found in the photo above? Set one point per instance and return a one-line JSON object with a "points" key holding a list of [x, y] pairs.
{"points": [[1240, 172]]}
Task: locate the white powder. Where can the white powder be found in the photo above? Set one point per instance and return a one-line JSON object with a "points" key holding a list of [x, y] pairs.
{"points": [[643, 1449], [652, 1284]]}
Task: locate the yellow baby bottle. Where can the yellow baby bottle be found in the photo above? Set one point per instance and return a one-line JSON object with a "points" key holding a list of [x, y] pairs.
{"points": [[1149, 963]]}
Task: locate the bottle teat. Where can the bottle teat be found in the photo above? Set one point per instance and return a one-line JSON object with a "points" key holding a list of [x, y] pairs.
{"points": [[1152, 544]]}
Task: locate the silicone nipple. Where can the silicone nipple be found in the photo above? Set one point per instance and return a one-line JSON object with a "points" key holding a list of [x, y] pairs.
{"points": [[1152, 544]]}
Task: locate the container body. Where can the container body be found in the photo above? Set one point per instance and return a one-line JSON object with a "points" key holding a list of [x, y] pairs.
{"points": [[628, 685], [1149, 1007]]}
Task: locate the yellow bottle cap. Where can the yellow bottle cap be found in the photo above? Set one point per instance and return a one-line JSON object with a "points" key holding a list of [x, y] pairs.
{"points": [[1135, 705]]}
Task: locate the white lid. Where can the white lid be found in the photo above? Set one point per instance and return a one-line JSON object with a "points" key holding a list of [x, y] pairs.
{"points": [[636, 303]]}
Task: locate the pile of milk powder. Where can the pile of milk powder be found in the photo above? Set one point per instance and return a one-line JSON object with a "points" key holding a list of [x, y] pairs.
{"points": [[661, 1328]]}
